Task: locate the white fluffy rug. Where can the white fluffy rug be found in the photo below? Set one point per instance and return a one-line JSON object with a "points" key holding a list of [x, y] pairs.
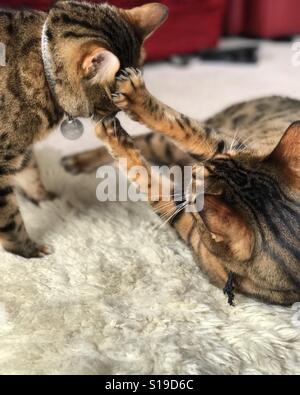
{"points": [[121, 296]]}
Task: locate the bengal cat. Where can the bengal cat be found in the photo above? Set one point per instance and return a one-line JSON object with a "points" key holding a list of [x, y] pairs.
{"points": [[61, 62], [247, 236]]}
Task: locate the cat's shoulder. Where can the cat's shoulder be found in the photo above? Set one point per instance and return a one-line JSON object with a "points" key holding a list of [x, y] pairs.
{"points": [[263, 105], [257, 110]]}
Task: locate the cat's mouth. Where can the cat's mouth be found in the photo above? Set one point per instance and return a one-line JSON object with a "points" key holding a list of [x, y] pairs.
{"points": [[101, 114], [104, 105]]}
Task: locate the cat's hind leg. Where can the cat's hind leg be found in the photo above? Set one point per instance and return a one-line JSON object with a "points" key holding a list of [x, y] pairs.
{"points": [[13, 234], [86, 162], [28, 180], [154, 147]]}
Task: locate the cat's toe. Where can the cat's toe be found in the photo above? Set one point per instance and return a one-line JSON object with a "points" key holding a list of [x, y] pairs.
{"points": [[30, 249], [120, 100], [111, 131], [50, 195], [106, 129], [42, 195], [128, 86], [45, 250], [70, 164], [38, 195], [131, 80]]}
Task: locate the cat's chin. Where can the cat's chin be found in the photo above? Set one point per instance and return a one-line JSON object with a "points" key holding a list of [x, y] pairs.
{"points": [[101, 115]]}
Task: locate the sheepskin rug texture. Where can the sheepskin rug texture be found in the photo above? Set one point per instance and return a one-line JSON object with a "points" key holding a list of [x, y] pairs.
{"points": [[120, 295]]}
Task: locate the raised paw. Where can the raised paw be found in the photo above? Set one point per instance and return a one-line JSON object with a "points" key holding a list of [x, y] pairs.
{"points": [[112, 134], [107, 129], [71, 165], [129, 89], [29, 249]]}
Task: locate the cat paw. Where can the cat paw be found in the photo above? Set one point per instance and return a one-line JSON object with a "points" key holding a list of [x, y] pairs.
{"points": [[71, 165], [107, 129], [110, 131], [86, 162], [129, 87], [29, 249], [38, 196]]}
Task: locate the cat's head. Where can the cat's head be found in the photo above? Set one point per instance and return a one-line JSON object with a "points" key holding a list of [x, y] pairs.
{"points": [[251, 218], [89, 43]]}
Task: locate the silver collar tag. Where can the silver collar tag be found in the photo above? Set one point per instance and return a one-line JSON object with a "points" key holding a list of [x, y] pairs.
{"points": [[72, 128]]}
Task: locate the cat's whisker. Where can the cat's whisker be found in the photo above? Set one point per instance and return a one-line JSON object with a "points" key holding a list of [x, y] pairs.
{"points": [[179, 209], [115, 128], [107, 91], [165, 216], [164, 207], [175, 195], [234, 140], [244, 142], [208, 146], [209, 149], [161, 197]]}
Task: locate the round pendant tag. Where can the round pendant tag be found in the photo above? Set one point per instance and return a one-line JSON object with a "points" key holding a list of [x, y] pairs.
{"points": [[72, 129]]}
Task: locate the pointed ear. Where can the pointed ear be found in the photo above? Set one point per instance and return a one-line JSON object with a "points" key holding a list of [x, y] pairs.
{"points": [[286, 156], [228, 227], [99, 65], [55, 3], [148, 17]]}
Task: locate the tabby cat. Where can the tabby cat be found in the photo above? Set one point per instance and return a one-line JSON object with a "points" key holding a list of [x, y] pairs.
{"points": [[58, 63], [247, 236]]}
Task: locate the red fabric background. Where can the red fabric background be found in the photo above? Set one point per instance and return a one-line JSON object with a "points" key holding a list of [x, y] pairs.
{"points": [[263, 18], [196, 24], [192, 24]]}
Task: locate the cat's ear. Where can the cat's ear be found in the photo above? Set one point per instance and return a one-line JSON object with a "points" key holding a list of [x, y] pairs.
{"points": [[99, 65], [55, 3], [286, 156], [227, 227], [148, 17]]}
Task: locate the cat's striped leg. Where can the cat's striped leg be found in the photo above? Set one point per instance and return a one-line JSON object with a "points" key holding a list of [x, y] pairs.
{"points": [[154, 147], [28, 180], [133, 97], [121, 146], [13, 234], [86, 162]]}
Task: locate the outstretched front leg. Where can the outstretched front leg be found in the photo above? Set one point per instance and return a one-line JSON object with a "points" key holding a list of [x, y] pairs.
{"points": [[121, 146], [133, 97]]}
